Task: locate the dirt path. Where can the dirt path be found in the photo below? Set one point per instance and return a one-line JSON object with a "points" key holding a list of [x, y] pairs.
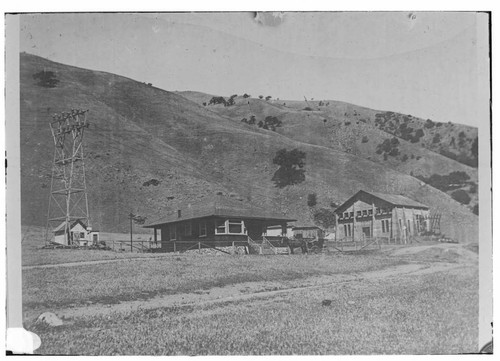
{"points": [[252, 290], [84, 263]]}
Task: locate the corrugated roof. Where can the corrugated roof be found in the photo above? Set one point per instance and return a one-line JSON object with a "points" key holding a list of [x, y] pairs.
{"points": [[398, 200], [220, 206]]}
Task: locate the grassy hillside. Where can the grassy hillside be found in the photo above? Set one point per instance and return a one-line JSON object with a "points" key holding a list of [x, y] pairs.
{"points": [[140, 133], [424, 148]]}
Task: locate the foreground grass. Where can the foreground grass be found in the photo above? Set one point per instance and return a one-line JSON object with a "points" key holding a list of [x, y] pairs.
{"points": [[53, 288], [426, 314]]}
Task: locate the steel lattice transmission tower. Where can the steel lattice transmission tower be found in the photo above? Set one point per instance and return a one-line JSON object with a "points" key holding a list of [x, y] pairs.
{"points": [[68, 191]]}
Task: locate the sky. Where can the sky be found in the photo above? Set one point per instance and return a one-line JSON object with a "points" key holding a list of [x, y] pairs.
{"points": [[427, 64]]}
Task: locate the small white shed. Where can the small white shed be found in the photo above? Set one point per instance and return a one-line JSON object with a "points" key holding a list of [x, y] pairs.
{"points": [[79, 234]]}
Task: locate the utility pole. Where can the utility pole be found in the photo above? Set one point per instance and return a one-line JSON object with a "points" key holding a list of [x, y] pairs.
{"points": [[131, 216], [68, 190]]}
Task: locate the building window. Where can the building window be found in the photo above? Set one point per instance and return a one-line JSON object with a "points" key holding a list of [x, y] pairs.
{"points": [[370, 212], [172, 232], [230, 226], [220, 227], [187, 229], [385, 226], [358, 213], [351, 214], [346, 214], [235, 226], [365, 212], [347, 230], [203, 228]]}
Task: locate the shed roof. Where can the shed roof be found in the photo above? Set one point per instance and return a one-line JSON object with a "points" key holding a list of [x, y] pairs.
{"points": [[223, 207], [393, 199]]}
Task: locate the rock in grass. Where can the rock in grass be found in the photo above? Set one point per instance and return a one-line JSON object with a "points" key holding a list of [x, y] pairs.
{"points": [[49, 319], [326, 302]]}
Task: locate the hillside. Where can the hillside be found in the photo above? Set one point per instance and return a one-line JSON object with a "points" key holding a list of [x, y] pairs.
{"points": [[140, 133], [424, 148]]}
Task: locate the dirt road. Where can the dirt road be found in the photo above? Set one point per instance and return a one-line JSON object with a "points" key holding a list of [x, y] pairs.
{"points": [[253, 290]]}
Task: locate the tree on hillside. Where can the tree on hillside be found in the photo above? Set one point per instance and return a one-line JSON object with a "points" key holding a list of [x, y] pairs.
{"points": [[217, 100], [268, 97], [252, 120], [46, 79], [246, 95], [261, 96], [324, 217], [230, 101], [312, 199], [461, 196], [290, 171]]}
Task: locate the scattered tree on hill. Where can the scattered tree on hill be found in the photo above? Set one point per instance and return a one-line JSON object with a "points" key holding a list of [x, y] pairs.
{"points": [[311, 199], [46, 79], [324, 217], [475, 209], [473, 148], [252, 120], [260, 124], [454, 180], [204, 104], [388, 147], [437, 138], [217, 100], [244, 120], [261, 96], [321, 103], [404, 158], [429, 124], [365, 139], [291, 167], [308, 109], [230, 101], [246, 95], [461, 196], [272, 123], [268, 97]]}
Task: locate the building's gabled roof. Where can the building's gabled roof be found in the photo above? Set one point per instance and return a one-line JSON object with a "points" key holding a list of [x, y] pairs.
{"points": [[399, 200], [222, 207], [63, 224], [395, 200]]}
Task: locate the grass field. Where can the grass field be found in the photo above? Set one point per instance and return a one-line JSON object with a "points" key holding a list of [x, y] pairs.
{"points": [[372, 311], [430, 314]]}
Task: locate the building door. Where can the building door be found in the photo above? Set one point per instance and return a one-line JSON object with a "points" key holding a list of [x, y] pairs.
{"points": [[366, 231], [94, 237]]}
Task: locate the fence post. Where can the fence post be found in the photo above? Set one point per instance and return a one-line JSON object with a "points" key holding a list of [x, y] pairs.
{"points": [[234, 249], [199, 247], [174, 247]]}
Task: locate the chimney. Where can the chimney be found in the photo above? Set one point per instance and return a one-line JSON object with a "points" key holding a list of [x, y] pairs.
{"points": [[178, 213]]}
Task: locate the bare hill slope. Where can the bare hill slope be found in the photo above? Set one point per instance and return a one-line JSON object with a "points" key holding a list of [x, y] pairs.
{"points": [[140, 133]]}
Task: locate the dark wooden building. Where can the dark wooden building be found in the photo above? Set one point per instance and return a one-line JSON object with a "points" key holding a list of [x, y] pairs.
{"points": [[223, 222], [389, 216]]}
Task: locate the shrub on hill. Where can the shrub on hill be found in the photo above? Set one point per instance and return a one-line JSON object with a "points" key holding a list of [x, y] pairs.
{"points": [[246, 95], [312, 199], [291, 167], [46, 79], [448, 182], [429, 124], [475, 209], [261, 96], [388, 147], [364, 140], [268, 97], [461, 196], [309, 109]]}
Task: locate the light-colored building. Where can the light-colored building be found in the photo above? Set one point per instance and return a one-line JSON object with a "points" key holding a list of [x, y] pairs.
{"points": [[371, 214], [79, 234]]}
